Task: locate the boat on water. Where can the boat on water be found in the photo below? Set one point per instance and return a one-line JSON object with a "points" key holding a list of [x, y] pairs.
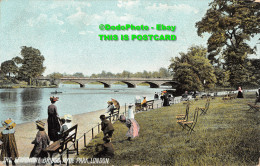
{"points": [[56, 92]]}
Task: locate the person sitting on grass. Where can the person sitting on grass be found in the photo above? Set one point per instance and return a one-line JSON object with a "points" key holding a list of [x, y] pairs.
{"points": [[107, 149], [133, 127], [106, 126]]}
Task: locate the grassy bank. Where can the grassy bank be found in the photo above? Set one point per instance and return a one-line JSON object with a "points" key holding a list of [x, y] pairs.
{"points": [[226, 135]]}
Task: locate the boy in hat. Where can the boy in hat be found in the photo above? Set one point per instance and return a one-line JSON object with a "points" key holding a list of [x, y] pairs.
{"points": [[106, 126], [41, 142], [9, 148]]}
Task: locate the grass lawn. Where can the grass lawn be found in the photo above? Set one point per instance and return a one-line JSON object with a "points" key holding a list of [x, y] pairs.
{"points": [[227, 135]]}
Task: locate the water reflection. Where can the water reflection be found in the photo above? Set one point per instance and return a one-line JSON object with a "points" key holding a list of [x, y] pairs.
{"points": [[8, 96], [31, 109]]}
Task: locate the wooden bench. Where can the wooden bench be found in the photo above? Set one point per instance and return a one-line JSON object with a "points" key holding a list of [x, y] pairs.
{"points": [[62, 144], [253, 107], [150, 104]]}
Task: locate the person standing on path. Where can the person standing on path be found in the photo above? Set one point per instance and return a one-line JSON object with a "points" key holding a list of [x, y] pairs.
{"points": [[8, 147], [40, 143], [53, 120], [106, 126]]}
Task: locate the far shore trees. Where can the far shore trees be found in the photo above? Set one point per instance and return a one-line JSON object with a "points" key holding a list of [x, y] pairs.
{"points": [[231, 24], [193, 70], [9, 67], [31, 64]]}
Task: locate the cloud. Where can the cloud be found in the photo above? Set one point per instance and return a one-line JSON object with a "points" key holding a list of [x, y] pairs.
{"points": [[54, 19], [42, 18], [128, 4], [79, 18], [82, 33], [180, 8]]}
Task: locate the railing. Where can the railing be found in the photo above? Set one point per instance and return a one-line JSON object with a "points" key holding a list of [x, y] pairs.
{"points": [[76, 143]]}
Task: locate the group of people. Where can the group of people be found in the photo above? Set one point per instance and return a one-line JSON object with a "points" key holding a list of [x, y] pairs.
{"points": [[108, 130], [56, 127]]}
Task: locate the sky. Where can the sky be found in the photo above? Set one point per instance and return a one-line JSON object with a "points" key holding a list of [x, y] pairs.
{"points": [[67, 32]]}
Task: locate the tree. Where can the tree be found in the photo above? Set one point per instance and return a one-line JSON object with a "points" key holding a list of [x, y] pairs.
{"points": [[231, 23], [78, 74], [55, 75], [32, 64], [164, 73], [193, 70], [9, 67]]}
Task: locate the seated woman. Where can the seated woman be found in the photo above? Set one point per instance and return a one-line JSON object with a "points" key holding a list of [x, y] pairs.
{"points": [[133, 127], [144, 103]]}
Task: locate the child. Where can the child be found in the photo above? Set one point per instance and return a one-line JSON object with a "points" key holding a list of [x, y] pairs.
{"points": [[107, 149], [41, 142], [106, 126], [132, 125], [9, 148]]}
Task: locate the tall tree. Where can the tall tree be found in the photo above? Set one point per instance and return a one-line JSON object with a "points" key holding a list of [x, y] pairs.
{"points": [[193, 70], [231, 24], [9, 67], [31, 63]]}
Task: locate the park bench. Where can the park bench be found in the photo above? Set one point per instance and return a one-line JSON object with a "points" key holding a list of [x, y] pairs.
{"points": [[148, 105], [183, 117], [189, 125], [62, 144], [253, 107], [204, 109]]}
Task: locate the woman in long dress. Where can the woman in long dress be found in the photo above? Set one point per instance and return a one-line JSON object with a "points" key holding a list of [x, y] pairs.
{"points": [[53, 120], [133, 127], [8, 147]]}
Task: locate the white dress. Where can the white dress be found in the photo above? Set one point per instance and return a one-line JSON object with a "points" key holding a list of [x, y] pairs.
{"points": [[130, 114]]}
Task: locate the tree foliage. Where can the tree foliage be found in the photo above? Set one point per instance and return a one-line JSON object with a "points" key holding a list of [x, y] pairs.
{"points": [[231, 24], [9, 67], [193, 70], [31, 63]]}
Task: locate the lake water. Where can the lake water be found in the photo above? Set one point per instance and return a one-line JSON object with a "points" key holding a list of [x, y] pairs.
{"points": [[30, 104]]}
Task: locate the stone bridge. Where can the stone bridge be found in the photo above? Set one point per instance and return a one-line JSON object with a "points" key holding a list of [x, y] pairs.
{"points": [[131, 82]]}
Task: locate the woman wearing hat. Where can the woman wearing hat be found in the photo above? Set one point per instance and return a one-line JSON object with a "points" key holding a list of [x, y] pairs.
{"points": [[53, 120], [132, 125], [9, 148], [40, 142], [130, 111]]}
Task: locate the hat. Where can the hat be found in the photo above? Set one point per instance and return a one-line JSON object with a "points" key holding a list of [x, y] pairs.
{"points": [[109, 102], [122, 118], [67, 117], [9, 123], [40, 123], [52, 98], [130, 105]]}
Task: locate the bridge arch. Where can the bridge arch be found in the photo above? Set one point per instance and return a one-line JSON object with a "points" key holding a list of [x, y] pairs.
{"points": [[152, 85], [129, 84]]}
